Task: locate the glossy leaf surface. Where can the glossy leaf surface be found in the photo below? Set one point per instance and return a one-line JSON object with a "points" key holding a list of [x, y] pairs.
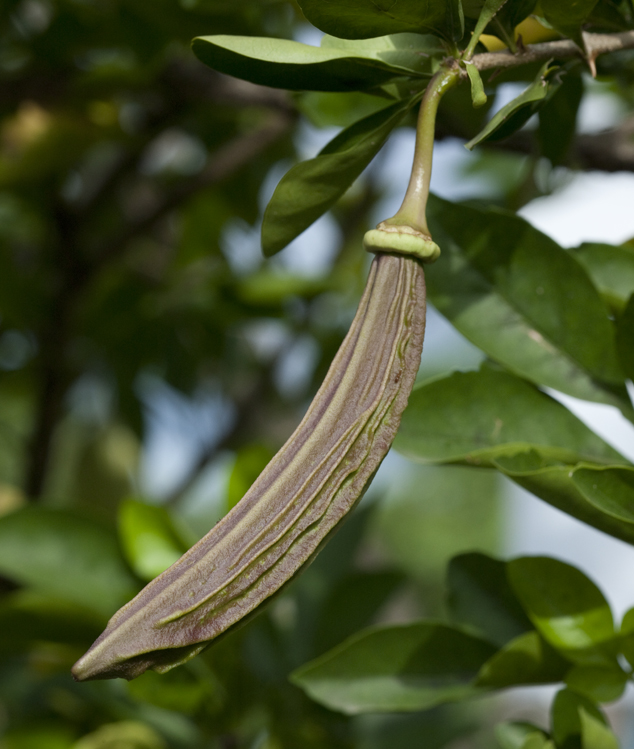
{"points": [[310, 188], [360, 19], [568, 609], [475, 417], [525, 301], [291, 65]]}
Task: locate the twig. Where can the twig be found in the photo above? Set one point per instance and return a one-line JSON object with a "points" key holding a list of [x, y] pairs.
{"points": [[596, 44]]}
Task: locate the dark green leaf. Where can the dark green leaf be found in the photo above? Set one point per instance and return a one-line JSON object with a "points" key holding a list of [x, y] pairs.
{"points": [[309, 189], [286, 64], [65, 557], [521, 298], [625, 338], [599, 683], [351, 604], [399, 668], [149, 538], [566, 713], [516, 113], [558, 118], [568, 609], [361, 19], [480, 597], [474, 417], [611, 269], [528, 659], [610, 489], [608, 16], [26, 618], [567, 16], [512, 13]]}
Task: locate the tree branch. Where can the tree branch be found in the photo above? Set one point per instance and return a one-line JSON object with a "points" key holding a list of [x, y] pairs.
{"points": [[233, 156], [596, 44]]}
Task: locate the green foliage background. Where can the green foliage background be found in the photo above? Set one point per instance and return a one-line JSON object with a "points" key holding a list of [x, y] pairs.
{"points": [[131, 177]]}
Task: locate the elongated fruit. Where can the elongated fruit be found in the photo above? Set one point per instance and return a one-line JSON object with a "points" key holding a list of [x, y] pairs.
{"points": [[314, 480]]}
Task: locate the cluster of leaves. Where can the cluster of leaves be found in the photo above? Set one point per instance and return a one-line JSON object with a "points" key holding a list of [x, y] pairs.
{"points": [[357, 55], [532, 620], [73, 573]]}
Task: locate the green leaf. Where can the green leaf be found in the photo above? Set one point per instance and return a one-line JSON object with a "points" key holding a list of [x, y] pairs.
{"points": [[566, 710], [361, 19], [309, 189], [522, 299], [282, 63], [627, 636], [555, 485], [595, 734], [149, 538], [398, 668], [516, 113], [568, 609], [515, 735], [610, 489], [537, 741], [126, 733], [512, 13], [26, 618], [528, 659], [558, 117], [625, 338], [611, 270], [477, 417], [567, 16], [494, 419], [65, 557], [480, 597], [599, 683], [484, 12], [609, 16], [351, 604]]}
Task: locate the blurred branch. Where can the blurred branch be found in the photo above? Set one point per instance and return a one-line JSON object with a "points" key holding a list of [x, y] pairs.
{"points": [[233, 156], [77, 274], [607, 151]]}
